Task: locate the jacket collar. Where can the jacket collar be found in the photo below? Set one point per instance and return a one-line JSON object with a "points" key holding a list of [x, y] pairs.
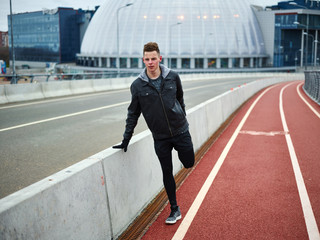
{"points": [[164, 72]]}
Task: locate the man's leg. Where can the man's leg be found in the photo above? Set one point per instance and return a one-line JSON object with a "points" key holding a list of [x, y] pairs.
{"points": [[163, 150], [184, 146]]}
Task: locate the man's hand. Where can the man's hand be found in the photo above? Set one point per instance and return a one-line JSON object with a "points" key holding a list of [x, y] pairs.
{"points": [[123, 145]]}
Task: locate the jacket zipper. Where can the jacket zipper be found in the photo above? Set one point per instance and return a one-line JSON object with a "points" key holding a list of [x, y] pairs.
{"points": [[165, 115], [164, 110]]}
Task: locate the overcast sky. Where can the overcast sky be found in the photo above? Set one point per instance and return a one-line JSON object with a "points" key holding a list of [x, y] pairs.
{"points": [[20, 6]]}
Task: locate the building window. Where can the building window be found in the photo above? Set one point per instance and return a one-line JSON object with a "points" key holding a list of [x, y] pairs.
{"points": [[246, 62], [212, 62], [236, 62], [103, 62], [123, 62], [113, 62], [185, 62], [173, 63], [198, 62], [134, 62], [224, 62]]}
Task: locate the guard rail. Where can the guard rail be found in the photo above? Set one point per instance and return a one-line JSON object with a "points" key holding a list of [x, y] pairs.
{"points": [[312, 85]]}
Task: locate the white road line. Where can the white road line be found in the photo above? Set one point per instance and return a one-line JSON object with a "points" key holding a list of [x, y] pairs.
{"points": [[63, 116], [62, 99], [210, 85], [310, 220], [259, 133], [186, 222], [306, 102]]}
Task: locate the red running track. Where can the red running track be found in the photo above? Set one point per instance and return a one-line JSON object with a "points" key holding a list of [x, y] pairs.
{"points": [[260, 179]]}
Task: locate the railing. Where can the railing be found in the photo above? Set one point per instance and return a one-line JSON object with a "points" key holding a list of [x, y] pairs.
{"points": [[312, 85], [99, 74], [30, 78]]}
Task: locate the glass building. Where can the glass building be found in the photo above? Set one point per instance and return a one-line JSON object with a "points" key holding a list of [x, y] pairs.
{"points": [[192, 34], [46, 36], [296, 33]]}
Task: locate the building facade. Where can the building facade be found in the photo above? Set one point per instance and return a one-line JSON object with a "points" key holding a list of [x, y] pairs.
{"points": [[291, 33], [47, 36], [192, 34]]}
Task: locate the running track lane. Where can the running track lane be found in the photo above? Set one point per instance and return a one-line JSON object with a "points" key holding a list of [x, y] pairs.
{"points": [[254, 194]]}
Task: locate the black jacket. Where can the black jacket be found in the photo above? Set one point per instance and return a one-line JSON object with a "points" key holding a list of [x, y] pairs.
{"points": [[163, 111]]}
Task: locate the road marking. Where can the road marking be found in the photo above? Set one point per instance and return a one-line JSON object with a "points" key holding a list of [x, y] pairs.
{"points": [[62, 99], [209, 85], [64, 116], [271, 134], [309, 218], [186, 222], [306, 102]]}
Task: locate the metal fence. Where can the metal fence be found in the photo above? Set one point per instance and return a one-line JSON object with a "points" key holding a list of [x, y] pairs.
{"points": [[30, 78], [312, 85]]}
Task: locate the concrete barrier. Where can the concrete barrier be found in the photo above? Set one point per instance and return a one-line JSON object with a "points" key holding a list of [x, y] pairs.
{"points": [[99, 197], [56, 89], [23, 92], [81, 86], [27, 92], [3, 98]]}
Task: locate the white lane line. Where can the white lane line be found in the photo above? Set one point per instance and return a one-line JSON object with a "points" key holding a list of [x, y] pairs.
{"points": [[210, 85], [269, 134], [306, 102], [62, 99], [309, 218], [186, 222], [63, 116]]}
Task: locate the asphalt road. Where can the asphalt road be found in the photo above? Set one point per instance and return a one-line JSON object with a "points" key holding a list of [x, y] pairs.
{"points": [[40, 138]]}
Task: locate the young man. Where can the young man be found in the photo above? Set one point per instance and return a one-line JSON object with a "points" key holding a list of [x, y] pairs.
{"points": [[157, 94]]}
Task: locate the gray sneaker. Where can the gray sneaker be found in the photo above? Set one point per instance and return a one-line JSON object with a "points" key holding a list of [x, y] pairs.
{"points": [[174, 216]]}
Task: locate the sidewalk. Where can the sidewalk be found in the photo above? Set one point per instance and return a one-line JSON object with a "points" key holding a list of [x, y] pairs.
{"points": [[260, 179]]}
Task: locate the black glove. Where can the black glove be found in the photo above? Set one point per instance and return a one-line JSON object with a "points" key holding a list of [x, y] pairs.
{"points": [[123, 145]]}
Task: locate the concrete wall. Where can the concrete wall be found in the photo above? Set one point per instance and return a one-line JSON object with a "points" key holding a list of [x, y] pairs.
{"points": [[44, 90], [99, 197]]}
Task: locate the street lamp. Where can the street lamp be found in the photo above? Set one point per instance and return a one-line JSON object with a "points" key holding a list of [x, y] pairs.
{"points": [[310, 35], [307, 28], [170, 29], [315, 50], [13, 80], [296, 57], [118, 51]]}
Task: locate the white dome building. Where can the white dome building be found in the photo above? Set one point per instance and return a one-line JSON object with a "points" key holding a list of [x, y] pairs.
{"points": [[192, 34]]}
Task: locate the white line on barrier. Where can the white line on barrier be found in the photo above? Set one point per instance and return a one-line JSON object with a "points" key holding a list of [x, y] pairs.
{"points": [[184, 226], [306, 102], [309, 218], [63, 116]]}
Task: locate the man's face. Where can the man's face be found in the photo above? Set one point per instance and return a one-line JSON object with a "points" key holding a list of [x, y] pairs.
{"points": [[152, 60]]}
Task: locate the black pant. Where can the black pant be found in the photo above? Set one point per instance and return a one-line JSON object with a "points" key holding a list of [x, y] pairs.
{"points": [[183, 145]]}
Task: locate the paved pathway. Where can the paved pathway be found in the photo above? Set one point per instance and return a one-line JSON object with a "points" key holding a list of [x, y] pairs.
{"points": [[260, 179]]}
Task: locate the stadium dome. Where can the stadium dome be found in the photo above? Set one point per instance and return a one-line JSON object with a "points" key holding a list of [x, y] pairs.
{"points": [[190, 34]]}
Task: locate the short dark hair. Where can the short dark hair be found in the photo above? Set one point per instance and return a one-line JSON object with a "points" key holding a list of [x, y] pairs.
{"points": [[150, 47]]}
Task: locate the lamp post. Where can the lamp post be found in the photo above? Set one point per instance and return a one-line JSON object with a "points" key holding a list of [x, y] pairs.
{"points": [[313, 41], [170, 29], [307, 29], [315, 49], [13, 80], [296, 57], [118, 51]]}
